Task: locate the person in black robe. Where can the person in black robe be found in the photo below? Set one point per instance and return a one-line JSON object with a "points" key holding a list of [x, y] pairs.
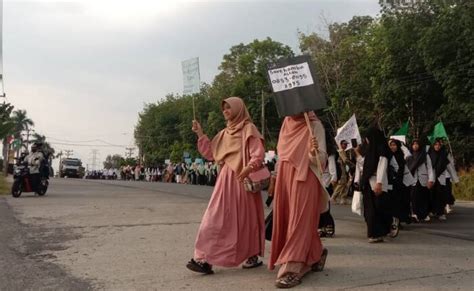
{"points": [[439, 193], [400, 193], [419, 165], [373, 182]]}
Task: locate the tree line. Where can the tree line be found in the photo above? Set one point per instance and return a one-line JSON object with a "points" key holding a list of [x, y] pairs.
{"points": [[15, 128], [411, 64]]}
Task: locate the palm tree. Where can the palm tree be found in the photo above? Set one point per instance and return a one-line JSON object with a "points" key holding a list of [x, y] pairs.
{"points": [[39, 138], [6, 127], [22, 122]]}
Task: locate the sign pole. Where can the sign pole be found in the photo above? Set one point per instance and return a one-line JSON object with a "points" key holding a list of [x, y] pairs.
{"points": [[308, 123], [194, 109]]}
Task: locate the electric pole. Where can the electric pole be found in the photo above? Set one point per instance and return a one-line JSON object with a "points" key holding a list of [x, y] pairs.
{"points": [[129, 152], [94, 159]]}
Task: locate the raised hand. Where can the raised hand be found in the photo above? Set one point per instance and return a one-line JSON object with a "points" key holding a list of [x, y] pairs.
{"points": [[197, 128]]}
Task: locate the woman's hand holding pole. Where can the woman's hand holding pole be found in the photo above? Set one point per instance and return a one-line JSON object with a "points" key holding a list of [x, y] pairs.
{"points": [[197, 128]]}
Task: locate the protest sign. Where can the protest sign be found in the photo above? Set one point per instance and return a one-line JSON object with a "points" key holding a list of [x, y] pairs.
{"points": [[191, 76], [347, 132], [295, 85]]}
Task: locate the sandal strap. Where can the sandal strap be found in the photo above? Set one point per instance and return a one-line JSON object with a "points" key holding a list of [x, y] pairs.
{"points": [[289, 278]]}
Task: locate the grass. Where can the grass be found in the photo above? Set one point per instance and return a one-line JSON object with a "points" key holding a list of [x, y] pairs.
{"points": [[464, 190], [4, 185]]}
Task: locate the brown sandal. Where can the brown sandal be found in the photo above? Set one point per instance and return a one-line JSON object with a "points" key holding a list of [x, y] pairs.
{"points": [[319, 266], [289, 280], [252, 262]]}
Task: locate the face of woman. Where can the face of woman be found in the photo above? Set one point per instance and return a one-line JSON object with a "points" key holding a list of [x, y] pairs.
{"points": [[226, 111], [393, 147], [415, 147], [437, 146]]}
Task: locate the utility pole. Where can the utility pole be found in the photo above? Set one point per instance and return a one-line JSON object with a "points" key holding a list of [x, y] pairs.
{"points": [[129, 152], [68, 153], [94, 158]]}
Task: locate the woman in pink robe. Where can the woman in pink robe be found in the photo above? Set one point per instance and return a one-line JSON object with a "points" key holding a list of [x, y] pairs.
{"points": [[232, 229], [299, 200]]}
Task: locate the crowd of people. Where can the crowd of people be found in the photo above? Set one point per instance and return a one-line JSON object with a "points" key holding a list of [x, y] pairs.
{"points": [[204, 173], [410, 184], [398, 184]]}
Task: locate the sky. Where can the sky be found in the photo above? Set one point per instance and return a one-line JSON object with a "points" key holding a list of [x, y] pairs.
{"points": [[83, 69]]}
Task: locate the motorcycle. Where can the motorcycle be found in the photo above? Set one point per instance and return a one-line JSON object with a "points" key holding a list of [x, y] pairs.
{"points": [[22, 180]]}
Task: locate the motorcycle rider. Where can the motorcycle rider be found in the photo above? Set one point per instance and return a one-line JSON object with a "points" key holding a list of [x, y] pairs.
{"points": [[34, 160]]}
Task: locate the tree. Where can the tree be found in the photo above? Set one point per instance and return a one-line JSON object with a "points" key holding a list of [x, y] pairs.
{"points": [[46, 146], [114, 161], [22, 122], [6, 128]]}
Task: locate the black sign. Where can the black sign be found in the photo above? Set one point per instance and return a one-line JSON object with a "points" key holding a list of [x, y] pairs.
{"points": [[295, 86]]}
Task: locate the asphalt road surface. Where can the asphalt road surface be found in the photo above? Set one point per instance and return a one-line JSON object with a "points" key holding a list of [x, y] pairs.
{"points": [[135, 235]]}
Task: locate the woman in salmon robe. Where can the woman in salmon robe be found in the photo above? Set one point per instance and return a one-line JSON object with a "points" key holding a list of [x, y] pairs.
{"points": [[232, 229], [299, 200]]}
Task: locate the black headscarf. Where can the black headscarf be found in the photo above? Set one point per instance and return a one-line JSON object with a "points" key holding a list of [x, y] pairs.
{"points": [[417, 158], [376, 148], [439, 159], [399, 157]]}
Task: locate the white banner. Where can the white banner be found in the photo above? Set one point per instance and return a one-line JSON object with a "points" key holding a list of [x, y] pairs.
{"points": [[290, 77], [191, 76], [347, 132]]}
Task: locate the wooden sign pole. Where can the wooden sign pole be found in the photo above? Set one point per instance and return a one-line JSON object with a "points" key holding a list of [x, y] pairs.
{"points": [[310, 128]]}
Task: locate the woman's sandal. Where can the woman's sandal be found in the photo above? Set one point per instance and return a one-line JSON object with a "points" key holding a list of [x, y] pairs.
{"points": [[322, 232], [252, 262], [319, 266], [289, 280], [200, 267], [330, 231]]}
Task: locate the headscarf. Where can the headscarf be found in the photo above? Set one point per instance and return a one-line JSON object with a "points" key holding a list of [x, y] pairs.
{"points": [[399, 157], [293, 143], [439, 159], [376, 148], [417, 158], [231, 142]]}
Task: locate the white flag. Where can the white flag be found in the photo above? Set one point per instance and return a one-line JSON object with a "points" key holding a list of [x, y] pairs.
{"points": [[347, 132]]}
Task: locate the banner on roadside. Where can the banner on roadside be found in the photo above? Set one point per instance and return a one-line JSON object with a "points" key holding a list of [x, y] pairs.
{"points": [[348, 132], [191, 76], [295, 86]]}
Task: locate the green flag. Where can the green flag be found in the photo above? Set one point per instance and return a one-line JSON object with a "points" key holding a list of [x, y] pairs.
{"points": [[403, 130], [438, 132]]}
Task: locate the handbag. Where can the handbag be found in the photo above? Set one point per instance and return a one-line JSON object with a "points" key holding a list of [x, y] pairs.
{"points": [[259, 179], [357, 203], [269, 226]]}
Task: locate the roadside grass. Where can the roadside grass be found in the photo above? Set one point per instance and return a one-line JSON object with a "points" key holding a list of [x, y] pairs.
{"points": [[4, 185], [464, 190]]}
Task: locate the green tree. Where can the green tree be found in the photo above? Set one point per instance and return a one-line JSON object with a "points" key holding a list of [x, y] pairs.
{"points": [[22, 123], [114, 161], [6, 128]]}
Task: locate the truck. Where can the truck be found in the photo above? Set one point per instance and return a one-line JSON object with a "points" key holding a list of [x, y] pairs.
{"points": [[71, 168]]}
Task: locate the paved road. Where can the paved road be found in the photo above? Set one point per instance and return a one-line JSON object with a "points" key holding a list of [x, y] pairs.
{"points": [[126, 235]]}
